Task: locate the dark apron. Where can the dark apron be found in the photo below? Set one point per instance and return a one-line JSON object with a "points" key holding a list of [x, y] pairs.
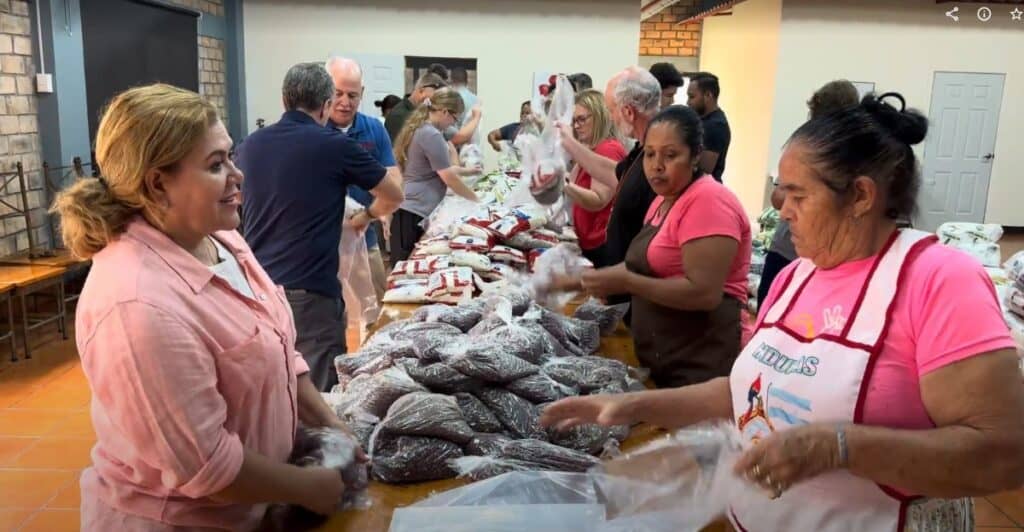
{"points": [[681, 347]]}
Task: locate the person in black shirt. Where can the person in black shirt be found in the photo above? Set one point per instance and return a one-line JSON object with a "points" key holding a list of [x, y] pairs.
{"points": [[633, 96], [702, 96]]}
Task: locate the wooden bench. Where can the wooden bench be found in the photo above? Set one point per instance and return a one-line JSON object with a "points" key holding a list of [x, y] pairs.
{"points": [[30, 279], [57, 258]]}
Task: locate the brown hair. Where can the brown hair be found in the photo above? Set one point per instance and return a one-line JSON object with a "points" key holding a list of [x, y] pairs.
{"points": [[443, 99], [831, 97], [144, 128]]}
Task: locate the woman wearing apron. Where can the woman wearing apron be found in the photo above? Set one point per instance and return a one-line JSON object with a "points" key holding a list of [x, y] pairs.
{"points": [[687, 269], [880, 390]]}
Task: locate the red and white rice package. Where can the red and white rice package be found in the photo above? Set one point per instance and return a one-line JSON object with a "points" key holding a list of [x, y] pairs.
{"points": [[471, 243], [431, 247], [419, 268], [478, 262], [474, 229], [499, 272], [538, 239], [450, 286], [507, 255], [407, 291]]}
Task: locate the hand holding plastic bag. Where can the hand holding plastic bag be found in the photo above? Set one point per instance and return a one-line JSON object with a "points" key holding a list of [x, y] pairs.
{"points": [[354, 273]]}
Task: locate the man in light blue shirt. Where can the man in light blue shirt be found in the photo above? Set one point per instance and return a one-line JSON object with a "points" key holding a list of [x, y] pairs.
{"points": [[369, 133]]}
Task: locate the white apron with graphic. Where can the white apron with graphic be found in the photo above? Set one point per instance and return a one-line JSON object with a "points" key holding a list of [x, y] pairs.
{"points": [[782, 380]]}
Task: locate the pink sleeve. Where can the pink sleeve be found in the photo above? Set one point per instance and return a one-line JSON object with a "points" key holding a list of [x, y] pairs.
{"points": [[709, 214], [954, 310], [139, 360]]}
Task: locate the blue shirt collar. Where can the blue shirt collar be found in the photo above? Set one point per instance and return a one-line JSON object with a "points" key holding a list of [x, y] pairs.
{"points": [[297, 116], [357, 124]]}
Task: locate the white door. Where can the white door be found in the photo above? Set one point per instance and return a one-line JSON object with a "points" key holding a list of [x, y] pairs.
{"points": [[382, 75], [958, 152]]}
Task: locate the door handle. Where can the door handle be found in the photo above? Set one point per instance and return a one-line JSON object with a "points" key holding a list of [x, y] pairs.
{"points": [[988, 156]]}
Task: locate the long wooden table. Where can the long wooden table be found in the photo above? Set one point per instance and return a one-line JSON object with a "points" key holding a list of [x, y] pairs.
{"points": [[387, 497]]}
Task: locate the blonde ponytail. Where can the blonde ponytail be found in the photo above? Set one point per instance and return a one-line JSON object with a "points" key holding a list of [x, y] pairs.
{"points": [[90, 217], [145, 128], [443, 99]]}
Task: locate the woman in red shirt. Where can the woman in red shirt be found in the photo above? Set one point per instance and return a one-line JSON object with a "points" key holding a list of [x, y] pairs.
{"points": [[687, 269], [592, 201]]}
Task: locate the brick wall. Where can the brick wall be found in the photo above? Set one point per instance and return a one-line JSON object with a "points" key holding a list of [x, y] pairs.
{"points": [[19, 129], [660, 35], [212, 55], [213, 73]]}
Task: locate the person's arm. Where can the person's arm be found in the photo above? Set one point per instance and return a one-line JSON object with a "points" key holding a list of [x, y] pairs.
{"points": [[978, 447], [599, 195], [465, 134], [669, 408], [706, 263], [600, 168], [452, 178], [262, 480], [977, 405], [363, 171], [715, 141], [494, 139], [707, 161]]}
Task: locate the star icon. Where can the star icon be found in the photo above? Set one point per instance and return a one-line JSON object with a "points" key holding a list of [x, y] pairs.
{"points": [[1016, 13]]}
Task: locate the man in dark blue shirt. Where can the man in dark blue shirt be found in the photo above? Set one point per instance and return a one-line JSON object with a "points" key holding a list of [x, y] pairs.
{"points": [[370, 134], [296, 175]]}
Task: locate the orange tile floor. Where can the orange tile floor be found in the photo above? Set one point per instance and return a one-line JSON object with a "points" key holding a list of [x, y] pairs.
{"points": [[46, 436]]}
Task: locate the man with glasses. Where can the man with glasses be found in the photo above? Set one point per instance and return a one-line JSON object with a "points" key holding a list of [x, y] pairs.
{"points": [[425, 87]]}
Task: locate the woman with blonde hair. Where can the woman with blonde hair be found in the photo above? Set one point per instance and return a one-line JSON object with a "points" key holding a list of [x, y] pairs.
{"points": [[593, 127], [430, 167], [187, 344]]}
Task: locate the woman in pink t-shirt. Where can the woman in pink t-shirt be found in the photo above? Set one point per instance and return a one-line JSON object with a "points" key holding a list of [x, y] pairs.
{"points": [[687, 269], [881, 389], [592, 200], [188, 345]]}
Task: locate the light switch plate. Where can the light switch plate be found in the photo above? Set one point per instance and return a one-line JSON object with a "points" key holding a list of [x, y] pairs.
{"points": [[44, 83]]}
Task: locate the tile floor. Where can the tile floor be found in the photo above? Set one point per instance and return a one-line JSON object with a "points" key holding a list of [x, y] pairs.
{"points": [[46, 435]]}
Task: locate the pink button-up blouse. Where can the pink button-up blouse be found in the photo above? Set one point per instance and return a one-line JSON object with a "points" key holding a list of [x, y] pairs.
{"points": [[185, 372]]}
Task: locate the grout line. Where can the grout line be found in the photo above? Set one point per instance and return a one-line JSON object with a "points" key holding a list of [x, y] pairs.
{"points": [[1000, 510], [27, 520]]}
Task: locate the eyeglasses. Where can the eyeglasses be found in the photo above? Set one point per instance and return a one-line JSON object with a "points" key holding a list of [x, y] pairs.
{"points": [[580, 120], [433, 86]]}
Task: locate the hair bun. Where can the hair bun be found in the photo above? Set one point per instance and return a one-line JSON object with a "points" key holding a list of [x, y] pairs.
{"points": [[907, 125]]}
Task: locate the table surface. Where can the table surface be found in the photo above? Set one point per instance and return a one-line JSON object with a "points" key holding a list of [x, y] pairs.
{"points": [[60, 258], [21, 276], [387, 497]]}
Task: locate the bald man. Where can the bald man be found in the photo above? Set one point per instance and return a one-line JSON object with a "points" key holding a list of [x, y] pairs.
{"points": [[370, 134]]}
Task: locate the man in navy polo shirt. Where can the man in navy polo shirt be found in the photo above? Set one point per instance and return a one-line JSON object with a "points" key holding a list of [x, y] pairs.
{"points": [[293, 199], [370, 134]]}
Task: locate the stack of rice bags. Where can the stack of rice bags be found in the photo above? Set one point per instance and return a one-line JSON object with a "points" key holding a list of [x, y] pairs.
{"points": [[472, 249]]}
